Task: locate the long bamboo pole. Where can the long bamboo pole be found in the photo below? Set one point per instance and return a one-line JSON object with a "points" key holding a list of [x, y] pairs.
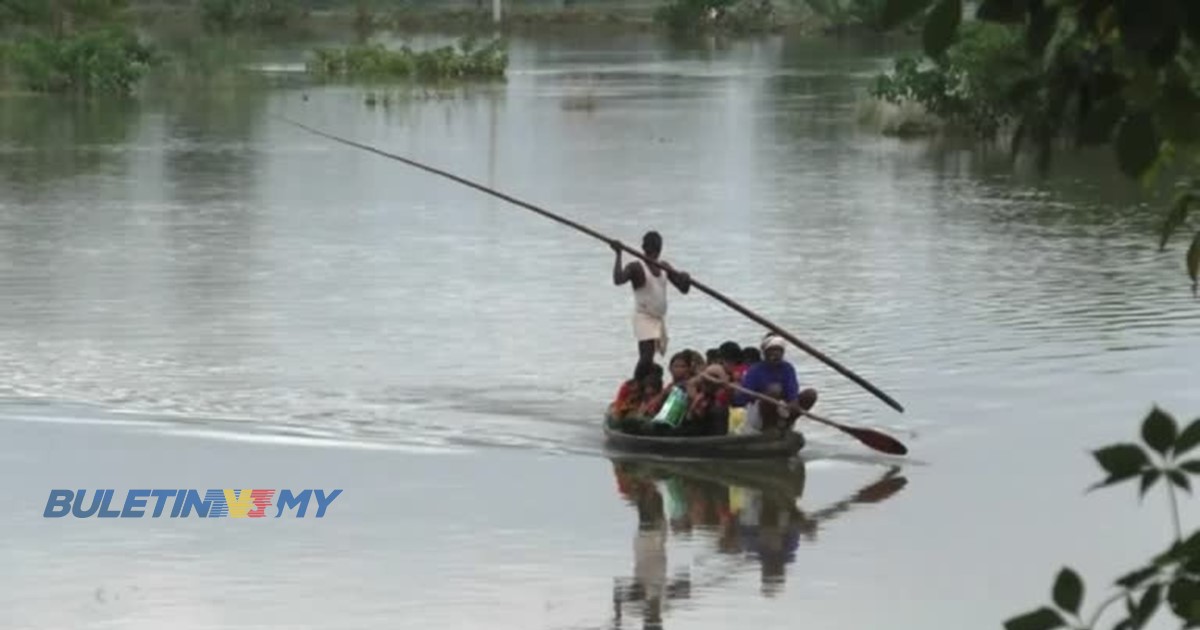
{"points": [[758, 319]]}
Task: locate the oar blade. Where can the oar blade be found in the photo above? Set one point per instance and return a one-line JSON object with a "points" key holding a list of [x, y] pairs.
{"points": [[880, 490], [879, 441]]}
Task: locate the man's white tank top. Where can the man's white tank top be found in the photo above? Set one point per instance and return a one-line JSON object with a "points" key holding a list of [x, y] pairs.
{"points": [[651, 299]]}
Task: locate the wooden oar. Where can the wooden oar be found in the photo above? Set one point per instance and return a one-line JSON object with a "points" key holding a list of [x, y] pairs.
{"points": [[597, 235], [877, 440]]}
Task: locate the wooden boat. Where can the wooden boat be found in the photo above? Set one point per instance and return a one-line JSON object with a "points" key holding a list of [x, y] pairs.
{"points": [[715, 446]]}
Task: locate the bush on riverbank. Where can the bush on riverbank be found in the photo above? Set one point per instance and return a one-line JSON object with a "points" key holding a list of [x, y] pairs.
{"points": [[229, 15], [374, 61], [511, 18], [71, 46], [850, 15], [969, 88], [733, 16], [110, 60]]}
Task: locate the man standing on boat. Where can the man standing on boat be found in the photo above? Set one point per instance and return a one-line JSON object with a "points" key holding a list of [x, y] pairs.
{"points": [[649, 294]]}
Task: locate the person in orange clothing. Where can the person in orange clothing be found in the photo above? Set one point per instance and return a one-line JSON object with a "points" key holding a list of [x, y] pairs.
{"points": [[637, 393]]}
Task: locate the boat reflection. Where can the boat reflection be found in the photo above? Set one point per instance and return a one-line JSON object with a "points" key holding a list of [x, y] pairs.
{"points": [[747, 511]]}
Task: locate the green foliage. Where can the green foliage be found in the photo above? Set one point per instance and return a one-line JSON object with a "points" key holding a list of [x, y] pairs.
{"points": [[374, 61], [72, 46], [96, 61], [970, 86], [229, 15], [1068, 591], [735, 16], [25, 12], [1122, 73], [1175, 572], [841, 14], [61, 16]]}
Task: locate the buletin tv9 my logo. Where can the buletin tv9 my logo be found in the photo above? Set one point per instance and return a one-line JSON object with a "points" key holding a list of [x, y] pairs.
{"points": [[221, 503]]}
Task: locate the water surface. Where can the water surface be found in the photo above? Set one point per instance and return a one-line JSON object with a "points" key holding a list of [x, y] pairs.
{"points": [[205, 295]]}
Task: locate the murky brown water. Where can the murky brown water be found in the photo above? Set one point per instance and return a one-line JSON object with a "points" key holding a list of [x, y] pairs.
{"points": [[194, 266]]}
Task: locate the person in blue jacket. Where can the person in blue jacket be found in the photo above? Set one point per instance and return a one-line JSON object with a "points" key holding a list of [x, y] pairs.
{"points": [[774, 377]]}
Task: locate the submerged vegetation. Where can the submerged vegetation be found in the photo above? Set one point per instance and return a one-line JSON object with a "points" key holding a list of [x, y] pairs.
{"points": [[97, 61], [73, 46], [970, 86], [374, 61]]}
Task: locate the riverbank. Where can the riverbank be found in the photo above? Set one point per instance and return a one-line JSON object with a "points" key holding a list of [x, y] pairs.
{"points": [[791, 19]]}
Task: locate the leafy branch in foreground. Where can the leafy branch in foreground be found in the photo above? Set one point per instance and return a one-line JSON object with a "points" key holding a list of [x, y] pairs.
{"points": [[1172, 576]]}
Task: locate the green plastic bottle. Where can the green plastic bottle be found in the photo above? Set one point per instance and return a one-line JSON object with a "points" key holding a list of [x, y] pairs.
{"points": [[674, 408]]}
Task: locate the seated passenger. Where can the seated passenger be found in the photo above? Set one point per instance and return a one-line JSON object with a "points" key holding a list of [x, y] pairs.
{"points": [[708, 409], [634, 394], [731, 360], [690, 409], [681, 371], [776, 378]]}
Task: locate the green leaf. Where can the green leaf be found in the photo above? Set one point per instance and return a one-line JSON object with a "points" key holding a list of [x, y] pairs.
{"points": [[1192, 565], [1184, 598], [1179, 550], [1044, 618], [896, 12], [1179, 479], [941, 26], [1193, 261], [1159, 430], [1148, 479], [1002, 11], [1145, 608], [1121, 462], [1192, 466], [1135, 578], [1189, 438], [1176, 218], [1068, 590], [1137, 144]]}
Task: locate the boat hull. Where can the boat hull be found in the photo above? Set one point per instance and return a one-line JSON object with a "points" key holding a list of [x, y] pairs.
{"points": [[716, 446]]}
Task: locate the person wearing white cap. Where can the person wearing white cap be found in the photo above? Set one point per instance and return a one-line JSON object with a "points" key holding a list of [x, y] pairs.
{"points": [[649, 294], [776, 378]]}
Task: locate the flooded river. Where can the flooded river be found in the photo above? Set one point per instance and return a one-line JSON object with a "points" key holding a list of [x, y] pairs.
{"points": [[198, 295]]}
